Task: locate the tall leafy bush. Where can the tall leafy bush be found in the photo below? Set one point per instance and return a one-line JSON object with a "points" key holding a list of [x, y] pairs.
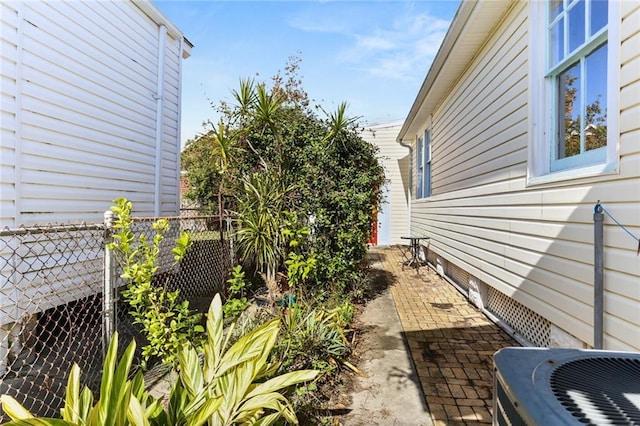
{"points": [[320, 169]]}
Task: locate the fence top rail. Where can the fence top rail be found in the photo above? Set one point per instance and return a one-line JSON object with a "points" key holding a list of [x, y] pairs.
{"points": [[154, 218], [202, 217], [83, 226], [41, 229]]}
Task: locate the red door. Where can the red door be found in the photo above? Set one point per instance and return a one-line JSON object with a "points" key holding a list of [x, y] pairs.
{"points": [[374, 229]]}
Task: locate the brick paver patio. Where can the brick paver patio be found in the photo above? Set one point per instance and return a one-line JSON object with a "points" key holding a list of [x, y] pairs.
{"points": [[451, 341]]}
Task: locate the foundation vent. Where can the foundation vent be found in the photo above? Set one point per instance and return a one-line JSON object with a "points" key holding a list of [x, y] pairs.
{"points": [[533, 327]]}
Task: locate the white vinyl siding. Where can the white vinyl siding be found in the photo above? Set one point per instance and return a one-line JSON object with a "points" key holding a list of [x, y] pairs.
{"points": [[170, 196], [534, 243], [8, 109], [395, 160], [477, 140], [78, 114], [86, 87]]}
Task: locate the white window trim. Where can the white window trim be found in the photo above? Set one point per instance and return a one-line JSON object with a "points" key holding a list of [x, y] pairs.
{"points": [[421, 163], [419, 167], [540, 98], [426, 154]]}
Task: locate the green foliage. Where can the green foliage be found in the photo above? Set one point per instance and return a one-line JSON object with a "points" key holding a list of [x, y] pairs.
{"points": [[261, 206], [311, 338], [204, 177], [344, 313], [167, 322], [299, 268], [238, 378], [343, 197], [234, 305], [122, 401], [233, 385], [299, 264], [288, 159]]}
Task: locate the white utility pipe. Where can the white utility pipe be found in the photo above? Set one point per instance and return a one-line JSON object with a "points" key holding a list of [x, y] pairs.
{"points": [[159, 97]]}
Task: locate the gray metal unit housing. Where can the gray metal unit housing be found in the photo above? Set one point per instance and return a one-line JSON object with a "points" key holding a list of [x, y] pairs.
{"points": [[537, 386]]}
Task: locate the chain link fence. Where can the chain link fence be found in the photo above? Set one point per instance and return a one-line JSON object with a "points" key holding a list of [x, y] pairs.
{"points": [[53, 310]]}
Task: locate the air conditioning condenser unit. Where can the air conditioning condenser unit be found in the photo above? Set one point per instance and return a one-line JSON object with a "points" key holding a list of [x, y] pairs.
{"points": [[547, 387]]}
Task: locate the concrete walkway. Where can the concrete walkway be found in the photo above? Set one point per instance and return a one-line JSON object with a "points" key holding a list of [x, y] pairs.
{"points": [[451, 344], [389, 393]]}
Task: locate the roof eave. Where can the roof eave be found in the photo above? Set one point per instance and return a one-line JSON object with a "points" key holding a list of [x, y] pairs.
{"points": [[152, 11], [460, 46]]}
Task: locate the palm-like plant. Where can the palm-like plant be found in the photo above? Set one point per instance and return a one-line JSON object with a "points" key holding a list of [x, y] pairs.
{"points": [[261, 214], [268, 104], [339, 122], [245, 96]]}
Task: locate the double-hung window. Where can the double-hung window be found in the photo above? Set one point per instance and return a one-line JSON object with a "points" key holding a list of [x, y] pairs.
{"points": [[426, 176], [423, 165], [420, 168], [575, 116]]}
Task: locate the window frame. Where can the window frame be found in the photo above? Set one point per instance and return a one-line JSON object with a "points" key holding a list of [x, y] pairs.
{"points": [[419, 166], [543, 166], [426, 169], [423, 165]]}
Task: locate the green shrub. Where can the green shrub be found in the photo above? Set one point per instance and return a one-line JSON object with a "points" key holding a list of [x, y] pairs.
{"points": [[235, 305], [167, 323], [311, 338], [287, 160]]}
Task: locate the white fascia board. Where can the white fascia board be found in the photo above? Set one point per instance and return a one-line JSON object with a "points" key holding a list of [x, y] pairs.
{"points": [[159, 18], [470, 28]]}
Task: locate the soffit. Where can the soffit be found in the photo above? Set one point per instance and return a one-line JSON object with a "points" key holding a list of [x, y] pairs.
{"points": [[472, 25]]}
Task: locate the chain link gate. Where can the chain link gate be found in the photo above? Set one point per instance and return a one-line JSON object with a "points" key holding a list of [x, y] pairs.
{"points": [[52, 310]]}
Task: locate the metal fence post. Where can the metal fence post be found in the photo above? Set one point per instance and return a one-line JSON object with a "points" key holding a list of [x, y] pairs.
{"points": [[230, 236], [598, 276], [108, 284]]}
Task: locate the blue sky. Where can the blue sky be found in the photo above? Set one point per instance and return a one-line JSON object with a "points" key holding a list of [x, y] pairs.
{"points": [[372, 54]]}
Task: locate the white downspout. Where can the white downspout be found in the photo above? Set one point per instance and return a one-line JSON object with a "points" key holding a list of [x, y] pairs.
{"points": [[179, 125], [410, 191], [159, 97]]}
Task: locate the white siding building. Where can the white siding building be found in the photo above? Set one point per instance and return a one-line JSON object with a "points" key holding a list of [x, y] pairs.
{"points": [[393, 214], [89, 110], [511, 171]]}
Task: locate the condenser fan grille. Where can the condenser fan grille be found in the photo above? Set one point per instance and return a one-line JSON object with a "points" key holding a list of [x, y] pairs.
{"points": [[600, 390]]}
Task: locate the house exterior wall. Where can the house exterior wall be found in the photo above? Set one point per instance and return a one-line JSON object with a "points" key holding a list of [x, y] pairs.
{"points": [[395, 160], [90, 111], [533, 242]]}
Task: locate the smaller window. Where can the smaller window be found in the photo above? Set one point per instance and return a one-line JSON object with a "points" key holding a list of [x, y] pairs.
{"points": [[423, 166], [426, 173], [419, 168]]}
